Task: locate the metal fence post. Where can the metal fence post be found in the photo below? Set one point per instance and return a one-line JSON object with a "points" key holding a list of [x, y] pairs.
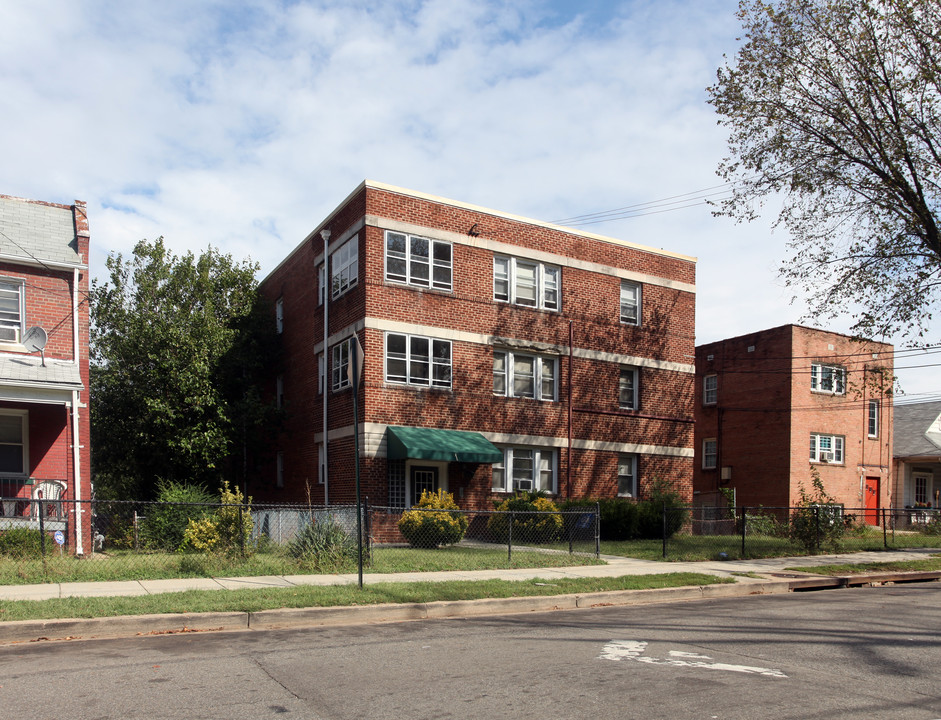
{"points": [[885, 535], [241, 531], [509, 539], [744, 529], [598, 530], [367, 529], [42, 531], [664, 529], [816, 527]]}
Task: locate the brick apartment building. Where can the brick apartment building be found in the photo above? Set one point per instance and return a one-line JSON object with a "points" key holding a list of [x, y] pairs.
{"points": [[44, 424], [500, 353], [772, 404]]}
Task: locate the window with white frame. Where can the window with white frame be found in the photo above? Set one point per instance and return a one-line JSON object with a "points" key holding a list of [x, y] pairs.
{"points": [[627, 475], [827, 379], [321, 283], [710, 453], [629, 388], [630, 302], [13, 442], [344, 267], [12, 314], [342, 352], [396, 471], [321, 464], [526, 468], [873, 419], [526, 282], [921, 489], [279, 314], [523, 375], [417, 360], [710, 389], [826, 448], [321, 373], [418, 261]]}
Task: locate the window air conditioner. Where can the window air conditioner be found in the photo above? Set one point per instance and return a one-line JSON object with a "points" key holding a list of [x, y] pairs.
{"points": [[826, 457], [524, 484]]}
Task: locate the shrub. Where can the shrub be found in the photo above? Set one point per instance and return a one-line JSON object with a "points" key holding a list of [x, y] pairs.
{"points": [[166, 522], [650, 511], [22, 543], [225, 530], [201, 535], [817, 521], [234, 521], [536, 519], [761, 523], [325, 545], [424, 528]]}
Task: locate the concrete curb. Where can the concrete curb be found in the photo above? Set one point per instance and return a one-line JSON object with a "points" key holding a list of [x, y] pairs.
{"points": [[23, 631]]}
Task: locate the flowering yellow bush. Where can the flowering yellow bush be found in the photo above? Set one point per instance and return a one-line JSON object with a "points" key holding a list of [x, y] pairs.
{"points": [[425, 528]]}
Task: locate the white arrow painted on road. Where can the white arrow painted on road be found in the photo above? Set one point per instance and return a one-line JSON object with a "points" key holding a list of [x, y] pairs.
{"points": [[635, 649]]}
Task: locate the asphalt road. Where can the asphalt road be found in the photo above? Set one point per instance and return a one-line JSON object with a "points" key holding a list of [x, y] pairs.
{"points": [[860, 653]]}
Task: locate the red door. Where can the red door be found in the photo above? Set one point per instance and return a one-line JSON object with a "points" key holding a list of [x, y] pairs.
{"points": [[872, 500]]}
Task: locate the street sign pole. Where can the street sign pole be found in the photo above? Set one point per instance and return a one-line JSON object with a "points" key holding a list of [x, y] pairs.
{"points": [[354, 372]]}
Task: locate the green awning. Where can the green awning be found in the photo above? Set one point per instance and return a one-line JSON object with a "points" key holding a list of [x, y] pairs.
{"points": [[434, 444]]}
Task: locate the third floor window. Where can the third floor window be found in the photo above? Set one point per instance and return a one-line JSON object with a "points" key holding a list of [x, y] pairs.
{"points": [[418, 261], [526, 282]]}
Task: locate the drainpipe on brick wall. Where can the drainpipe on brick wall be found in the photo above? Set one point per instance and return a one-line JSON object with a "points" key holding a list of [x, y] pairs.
{"points": [[77, 475], [325, 236], [568, 465]]}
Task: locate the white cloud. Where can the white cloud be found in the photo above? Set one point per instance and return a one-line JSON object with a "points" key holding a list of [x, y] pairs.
{"points": [[242, 123]]}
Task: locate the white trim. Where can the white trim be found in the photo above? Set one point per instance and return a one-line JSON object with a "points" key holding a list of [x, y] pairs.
{"points": [[518, 218], [372, 323], [502, 248]]}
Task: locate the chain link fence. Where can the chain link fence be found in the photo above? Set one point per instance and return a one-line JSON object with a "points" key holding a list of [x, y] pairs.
{"points": [[755, 532], [137, 540], [125, 540]]}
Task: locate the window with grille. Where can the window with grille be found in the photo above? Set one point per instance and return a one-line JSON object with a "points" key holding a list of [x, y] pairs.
{"points": [[523, 375], [418, 261], [417, 360], [526, 282]]}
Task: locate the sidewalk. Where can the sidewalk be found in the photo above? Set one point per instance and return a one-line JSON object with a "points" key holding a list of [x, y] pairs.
{"points": [[767, 575]]}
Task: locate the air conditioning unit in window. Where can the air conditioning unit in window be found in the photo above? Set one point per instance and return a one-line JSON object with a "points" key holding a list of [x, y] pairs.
{"points": [[826, 457], [524, 484]]}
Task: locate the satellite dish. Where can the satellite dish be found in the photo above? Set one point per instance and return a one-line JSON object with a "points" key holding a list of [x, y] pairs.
{"points": [[35, 339]]}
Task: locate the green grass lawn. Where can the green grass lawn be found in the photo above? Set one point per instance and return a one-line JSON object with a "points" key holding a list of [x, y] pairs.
{"points": [[691, 548], [928, 564], [126, 565], [195, 601]]}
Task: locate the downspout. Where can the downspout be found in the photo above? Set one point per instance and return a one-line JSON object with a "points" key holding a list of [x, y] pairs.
{"points": [[568, 465], [77, 475], [76, 439], [325, 235], [75, 352]]}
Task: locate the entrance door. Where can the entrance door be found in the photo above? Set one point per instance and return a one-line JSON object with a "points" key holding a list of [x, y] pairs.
{"points": [[872, 500], [422, 478]]}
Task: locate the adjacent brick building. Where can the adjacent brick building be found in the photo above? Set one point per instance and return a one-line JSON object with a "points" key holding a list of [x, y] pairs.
{"points": [[773, 404], [44, 425], [500, 353]]}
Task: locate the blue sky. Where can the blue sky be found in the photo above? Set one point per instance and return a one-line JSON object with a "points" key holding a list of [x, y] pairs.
{"points": [[242, 123]]}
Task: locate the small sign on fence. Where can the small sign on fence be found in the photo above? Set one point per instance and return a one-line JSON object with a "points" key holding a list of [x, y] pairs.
{"points": [[59, 537]]}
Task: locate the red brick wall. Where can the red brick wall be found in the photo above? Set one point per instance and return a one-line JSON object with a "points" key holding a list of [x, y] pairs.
{"points": [[590, 308], [766, 413]]}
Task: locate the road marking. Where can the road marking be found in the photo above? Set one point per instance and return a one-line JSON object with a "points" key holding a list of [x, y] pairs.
{"points": [[634, 650]]}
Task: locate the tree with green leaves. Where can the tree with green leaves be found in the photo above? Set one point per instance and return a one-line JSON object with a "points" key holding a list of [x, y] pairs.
{"points": [[176, 346], [834, 107]]}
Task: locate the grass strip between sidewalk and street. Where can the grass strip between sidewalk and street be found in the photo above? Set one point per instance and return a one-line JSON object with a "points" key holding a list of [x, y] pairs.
{"points": [[196, 601], [927, 565]]}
